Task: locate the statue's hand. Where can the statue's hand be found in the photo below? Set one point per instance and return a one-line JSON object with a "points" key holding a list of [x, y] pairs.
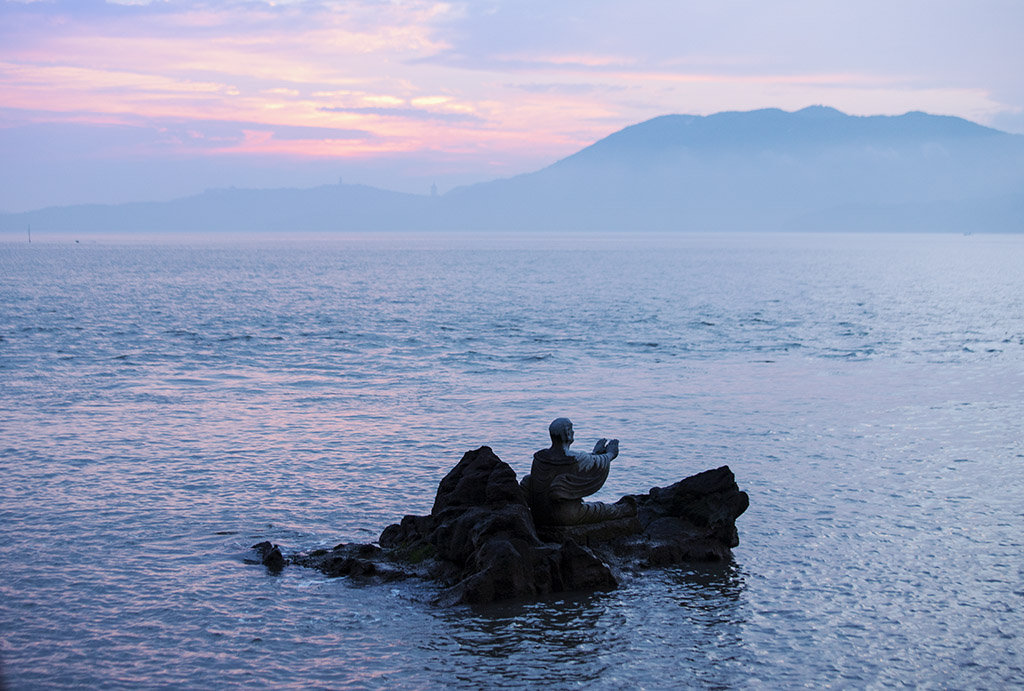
{"points": [[599, 447], [612, 448]]}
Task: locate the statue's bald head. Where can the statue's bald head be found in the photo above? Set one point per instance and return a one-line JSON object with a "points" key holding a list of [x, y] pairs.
{"points": [[561, 431]]}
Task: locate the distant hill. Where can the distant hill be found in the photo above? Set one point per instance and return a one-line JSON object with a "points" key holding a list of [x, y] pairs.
{"points": [[764, 169], [327, 208], [814, 169]]}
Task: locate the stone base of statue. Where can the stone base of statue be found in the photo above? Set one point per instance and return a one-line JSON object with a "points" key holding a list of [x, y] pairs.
{"points": [[480, 542], [590, 535]]}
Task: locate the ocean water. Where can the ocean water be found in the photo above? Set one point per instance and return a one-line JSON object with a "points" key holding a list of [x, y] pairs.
{"points": [[165, 404]]}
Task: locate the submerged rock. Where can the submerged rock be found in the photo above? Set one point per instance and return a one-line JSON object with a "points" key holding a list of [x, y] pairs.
{"points": [[268, 554], [480, 543]]}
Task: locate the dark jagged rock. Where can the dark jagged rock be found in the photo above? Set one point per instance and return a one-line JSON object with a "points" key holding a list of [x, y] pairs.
{"points": [[480, 543], [268, 554]]}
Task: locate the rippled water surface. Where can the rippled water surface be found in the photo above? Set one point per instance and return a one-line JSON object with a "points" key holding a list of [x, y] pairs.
{"points": [[165, 405]]}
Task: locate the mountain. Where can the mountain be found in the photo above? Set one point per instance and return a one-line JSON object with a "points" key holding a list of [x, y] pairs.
{"points": [[326, 208], [765, 169], [814, 169]]}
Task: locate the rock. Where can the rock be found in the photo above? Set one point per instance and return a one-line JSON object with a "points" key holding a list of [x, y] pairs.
{"points": [[580, 569], [270, 556], [479, 479], [358, 561], [692, 520], [480, 543]]}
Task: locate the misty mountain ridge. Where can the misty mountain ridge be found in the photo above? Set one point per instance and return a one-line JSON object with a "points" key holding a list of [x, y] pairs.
{"points": [[776, 129], [813, 169]]}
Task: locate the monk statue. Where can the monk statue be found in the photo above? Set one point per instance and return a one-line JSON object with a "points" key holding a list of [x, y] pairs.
{"points": [[561, 477]]}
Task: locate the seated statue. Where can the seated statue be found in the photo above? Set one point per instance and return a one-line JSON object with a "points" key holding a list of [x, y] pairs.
{"points": [[560, 478]]}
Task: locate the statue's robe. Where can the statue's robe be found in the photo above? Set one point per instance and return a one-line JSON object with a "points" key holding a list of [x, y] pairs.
{"points": [[557, 484]]}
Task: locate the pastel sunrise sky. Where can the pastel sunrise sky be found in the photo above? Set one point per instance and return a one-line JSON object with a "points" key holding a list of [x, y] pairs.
{"points": [[136, 100]]}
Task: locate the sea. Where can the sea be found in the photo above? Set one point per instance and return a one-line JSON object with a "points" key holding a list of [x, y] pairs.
{"points": [[168, 401]]}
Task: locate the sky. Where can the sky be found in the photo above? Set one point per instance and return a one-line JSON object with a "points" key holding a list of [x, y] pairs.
{"points": [[107, 102]]}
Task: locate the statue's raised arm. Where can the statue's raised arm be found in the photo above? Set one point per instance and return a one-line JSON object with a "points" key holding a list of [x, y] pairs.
{"points": [[561, 477]]}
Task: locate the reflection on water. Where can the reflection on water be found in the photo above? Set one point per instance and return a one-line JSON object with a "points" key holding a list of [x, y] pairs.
{"points": [[602, 640], [559, 641], [164, 408]]}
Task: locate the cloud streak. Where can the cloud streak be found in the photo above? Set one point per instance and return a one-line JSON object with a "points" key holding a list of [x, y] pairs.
{"points": [[406, 113]]}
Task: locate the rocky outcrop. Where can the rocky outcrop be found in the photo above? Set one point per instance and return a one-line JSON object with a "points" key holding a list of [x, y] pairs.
{"points": [[480, 543]]}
